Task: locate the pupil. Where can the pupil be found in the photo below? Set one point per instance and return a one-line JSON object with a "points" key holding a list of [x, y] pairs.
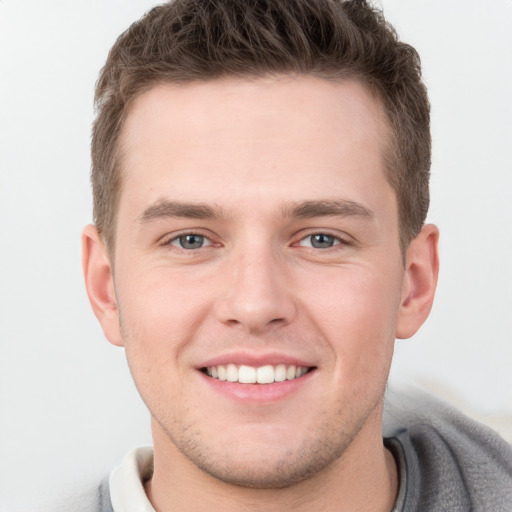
{"points": [[191, 241], [322, 241]]}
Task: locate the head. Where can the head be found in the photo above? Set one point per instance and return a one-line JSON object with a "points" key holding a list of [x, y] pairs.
{"points": [[260, 180], [187, 41]]}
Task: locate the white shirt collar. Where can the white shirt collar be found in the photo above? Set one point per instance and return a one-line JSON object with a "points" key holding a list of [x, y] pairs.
{"points": [[126, 482]]}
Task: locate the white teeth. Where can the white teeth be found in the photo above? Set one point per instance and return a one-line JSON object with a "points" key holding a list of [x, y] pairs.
{"points": [[222, 372], [300, 371], [265, 374], [231, 373], [250, 375], [247, 374], [290, 373], [280, 373]]}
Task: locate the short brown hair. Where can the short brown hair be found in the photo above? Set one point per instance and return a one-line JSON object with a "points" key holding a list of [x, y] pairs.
{"points": [[196, 40]]}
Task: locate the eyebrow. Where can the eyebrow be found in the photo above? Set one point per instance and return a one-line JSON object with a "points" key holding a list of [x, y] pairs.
{"points": [[327, 208], [177, 209], [302, 210]]}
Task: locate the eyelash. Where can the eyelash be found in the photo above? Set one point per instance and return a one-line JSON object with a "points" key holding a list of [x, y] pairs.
{"points": [[337, 241], [168, 242]]}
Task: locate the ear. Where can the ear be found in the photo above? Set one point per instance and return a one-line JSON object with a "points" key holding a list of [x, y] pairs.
{"points": [[420, 281], [99, 283]]}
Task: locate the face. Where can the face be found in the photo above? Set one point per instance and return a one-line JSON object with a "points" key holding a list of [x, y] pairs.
{"points": [[257, 240]]}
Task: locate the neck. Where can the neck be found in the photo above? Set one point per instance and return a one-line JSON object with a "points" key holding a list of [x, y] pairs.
{"points": [[363, 478]]}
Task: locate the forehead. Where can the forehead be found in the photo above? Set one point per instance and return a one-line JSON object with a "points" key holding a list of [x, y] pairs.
{"points": [[246, 104], [288, 137]]}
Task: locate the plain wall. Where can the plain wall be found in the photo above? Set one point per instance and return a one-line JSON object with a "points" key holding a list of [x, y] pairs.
{"points": [[68, 408]]}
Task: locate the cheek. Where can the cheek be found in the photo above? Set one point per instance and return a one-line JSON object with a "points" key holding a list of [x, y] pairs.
{"points": [[356, 311], [160, 302], [159, 317]]}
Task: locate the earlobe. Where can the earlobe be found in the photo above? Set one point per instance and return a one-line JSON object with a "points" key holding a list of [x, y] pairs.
{"points": [[99, 283], [420, 281]]}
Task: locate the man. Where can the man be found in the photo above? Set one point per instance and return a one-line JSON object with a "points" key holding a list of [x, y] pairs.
{"points": [[260, 178]]}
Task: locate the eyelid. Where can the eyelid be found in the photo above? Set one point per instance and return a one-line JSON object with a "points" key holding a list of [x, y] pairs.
{"points": [[166, 240], [336, 240], [341, 239], [207, 241]]}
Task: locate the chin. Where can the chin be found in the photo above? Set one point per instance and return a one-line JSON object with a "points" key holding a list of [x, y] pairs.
{"points": [[271, 472], [265, 464]]}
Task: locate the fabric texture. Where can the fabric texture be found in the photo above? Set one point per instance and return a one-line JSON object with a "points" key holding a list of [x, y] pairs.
{"points": [[446, 462], [452, 463], [104, 501], [127, 482]]}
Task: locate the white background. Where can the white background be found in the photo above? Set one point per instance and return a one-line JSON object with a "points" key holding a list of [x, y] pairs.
{"points": [[68, 408]]}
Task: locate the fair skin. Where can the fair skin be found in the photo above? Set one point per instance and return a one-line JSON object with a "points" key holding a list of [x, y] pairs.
{"points": [[256, 229]]}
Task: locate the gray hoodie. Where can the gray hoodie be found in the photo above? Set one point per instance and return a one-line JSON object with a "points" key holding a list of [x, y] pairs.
{"points": [[447, 462]]}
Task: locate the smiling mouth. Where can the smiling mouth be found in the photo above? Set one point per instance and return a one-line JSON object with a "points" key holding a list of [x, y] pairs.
{"points": [[267, 374]]}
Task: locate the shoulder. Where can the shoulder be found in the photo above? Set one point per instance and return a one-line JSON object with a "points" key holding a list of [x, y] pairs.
{"points": [[452, 462], [104, 502], [123, 489]]}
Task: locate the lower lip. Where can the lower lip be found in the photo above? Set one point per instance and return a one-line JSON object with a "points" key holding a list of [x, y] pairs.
{"points": [[258, 393]]}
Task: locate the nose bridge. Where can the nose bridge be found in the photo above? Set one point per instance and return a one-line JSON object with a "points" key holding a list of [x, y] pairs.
{"points": [[257, 294]]}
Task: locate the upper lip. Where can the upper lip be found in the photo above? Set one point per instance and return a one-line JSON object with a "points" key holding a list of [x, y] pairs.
{"points": [[255, 360]]}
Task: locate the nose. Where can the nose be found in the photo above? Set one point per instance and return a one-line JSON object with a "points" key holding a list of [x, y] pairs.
{"points": [[258, 292]]}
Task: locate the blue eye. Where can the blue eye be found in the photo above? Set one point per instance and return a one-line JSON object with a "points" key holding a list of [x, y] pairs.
{"points": [[320, 241], [190, 241]]}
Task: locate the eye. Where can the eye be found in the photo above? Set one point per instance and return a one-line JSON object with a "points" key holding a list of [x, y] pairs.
{"points": [[190, 241], [320, 241]]}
